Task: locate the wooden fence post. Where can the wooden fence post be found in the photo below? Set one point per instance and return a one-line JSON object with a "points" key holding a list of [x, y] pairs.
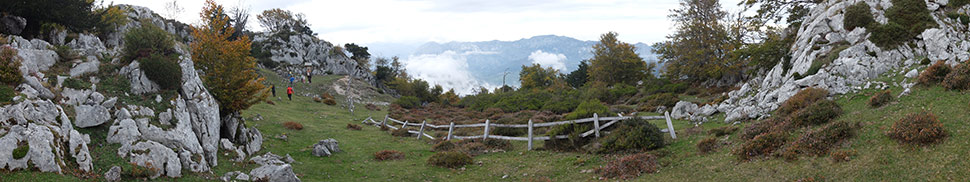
{"points": [[530, 134], [596, 125], [485, 135], [450, 129], [421, 131], [405, 124], [384, 123], [670, 126]]}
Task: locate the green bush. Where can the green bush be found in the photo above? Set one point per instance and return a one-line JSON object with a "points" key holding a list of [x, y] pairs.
{"points": [[907, 19], [145, 41], [958, 79], [880, 99], [10, 66], [450, 159], [164, 70], [963, 18], [934, 74], [707, 145], [958, 3], [21, 151], [633, 134], [562, 104], [818, 113], [857, 15], [409, 102], [76, 83], [586, 110], [573, 142], [918, 129], [6, 94], [761, 145], [724, 130], [818, 142], [621, 90], [801, 100], [889, 35]]}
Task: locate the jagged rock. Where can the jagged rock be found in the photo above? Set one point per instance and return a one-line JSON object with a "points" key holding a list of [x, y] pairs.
{"points": [[8, 143], [268, 159], [181, 137], [124, 132], [707, 110], [683, 109], [113, 174], [88, 44], [84, 68], [275, 173], [157, 157], [79, 150], [912, 74], [202, 108], [34, 83], [229, 176], [12, 25], [140, 84], [74, 97], [110, 103], [94, 99], [299, 48], [325, 147], [35, 57], [89, 116], [41, 153], [255, 141], [242, 177], [165, 117]]}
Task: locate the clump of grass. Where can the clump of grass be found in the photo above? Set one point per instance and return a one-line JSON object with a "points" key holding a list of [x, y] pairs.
{"points": [[919, 129], [21, 151], [629, 167], [724, 130], [880, 99], [388, 155], [293, 125], [449, 159]]}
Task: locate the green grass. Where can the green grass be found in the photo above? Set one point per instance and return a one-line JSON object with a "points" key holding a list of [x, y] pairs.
{"points": [[877, 157]]}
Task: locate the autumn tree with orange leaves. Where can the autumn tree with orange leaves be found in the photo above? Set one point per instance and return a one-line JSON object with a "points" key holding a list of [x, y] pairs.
{"points": [[228, 69]]}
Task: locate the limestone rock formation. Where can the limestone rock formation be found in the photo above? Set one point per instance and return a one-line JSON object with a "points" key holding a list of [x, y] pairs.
{"points": [[300, 50], [325, 147], [272, 168]]}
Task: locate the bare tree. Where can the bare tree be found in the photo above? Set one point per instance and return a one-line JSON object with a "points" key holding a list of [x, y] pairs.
{"points": [[173, 9]]}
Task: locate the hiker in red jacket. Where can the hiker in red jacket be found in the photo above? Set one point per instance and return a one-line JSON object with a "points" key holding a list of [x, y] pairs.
{"points": [[289, 92]]}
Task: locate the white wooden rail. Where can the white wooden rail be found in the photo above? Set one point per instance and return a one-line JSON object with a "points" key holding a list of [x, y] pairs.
{"points": [[488, 126]]}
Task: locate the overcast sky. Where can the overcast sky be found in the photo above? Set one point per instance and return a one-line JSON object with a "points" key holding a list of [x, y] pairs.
{"points": [[419, 21]]}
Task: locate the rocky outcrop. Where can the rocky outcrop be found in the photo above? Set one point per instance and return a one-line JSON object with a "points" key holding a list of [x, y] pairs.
{"points": [[860, 60], [325, 147], [113, 174], [12, 25], [297, 51], [44, 130], [140, 84], [272, 168]]}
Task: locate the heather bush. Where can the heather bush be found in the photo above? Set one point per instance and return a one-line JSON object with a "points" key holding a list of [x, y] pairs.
{"points": [[724, 130], [633, 134], [6, 94], [449, 159], [496, 144], [400, 132], [353, 126], [818, 113], [802, 99], [630, 166], [934, 74], [880, 99], [293, 125], [919, 129], [9, 66], [443, 146], [573, 142], [818, 142], [707, 145], [958, 78], [762, 145], [388, 155], [409, 102]]}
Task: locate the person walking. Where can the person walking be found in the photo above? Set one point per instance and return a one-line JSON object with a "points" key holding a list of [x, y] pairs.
{"points": [[273, 87], [289, 92]]}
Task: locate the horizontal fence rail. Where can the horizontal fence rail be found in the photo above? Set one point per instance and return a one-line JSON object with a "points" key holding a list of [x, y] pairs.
{"points": [[488, 126]]}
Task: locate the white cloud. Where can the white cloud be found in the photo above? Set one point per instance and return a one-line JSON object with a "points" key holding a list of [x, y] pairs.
{"points": [[448, 69], [556, 61]]}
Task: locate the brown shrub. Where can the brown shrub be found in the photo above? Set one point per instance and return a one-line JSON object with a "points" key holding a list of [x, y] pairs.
{"points": [[630, 166], [707, 145], [385, 128], [934, 74], [818, 113], [330, 102], [450, 159], [388, 155], [761, 127], [762, 145], [802, 99], [443, 146], [958, 79], [293, 125], [270, 102], [400, 132], [880, 99], [818, 142], [317, 99], [724, 130], [372, 107], [918, 129], [473, 148], [842, 155], [496, 144], [353, 126]]}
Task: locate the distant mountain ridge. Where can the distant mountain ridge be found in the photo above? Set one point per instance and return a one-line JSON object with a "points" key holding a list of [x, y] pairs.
{"points": [[488, 60]]}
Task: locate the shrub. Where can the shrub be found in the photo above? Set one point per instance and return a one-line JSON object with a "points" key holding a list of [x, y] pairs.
{"points": [[842, 155], [135, 171], [707, 145], [573, 142], [371, 107], [21, 151], [65, 53], [409, 102], [633, 134], [163, 70], [818, 142], [818, 113], [147, 40], [293, 125], [449, 159], [958, 3], [353, 126], [400, 132], [496, 144], [561, 105], [802, 99], [763, 144], [934, 74], [857, 15], [317, 99], [918, 129], [9, 66], [963, 18], [761, 127], [958, 79], [76, 83], [880, 99], [724, 130], [586, 109], [6, 94], [443, 146], [388, 155], [330, 101], [889, 35], [472, 148], [630, 166], [911, 13]]}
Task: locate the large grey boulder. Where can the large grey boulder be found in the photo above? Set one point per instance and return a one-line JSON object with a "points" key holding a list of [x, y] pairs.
{"points": [[325, 147], [34, 83], [140, 84], [683, 109], [272, 168], [255, 141], [113, 174], [12, 25], [84, 68], [123, 132], [156, 157], [89, 116], [79, 150]]}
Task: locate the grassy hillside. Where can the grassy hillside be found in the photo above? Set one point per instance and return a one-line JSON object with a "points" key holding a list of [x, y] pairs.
{"points": [[877, 157]]}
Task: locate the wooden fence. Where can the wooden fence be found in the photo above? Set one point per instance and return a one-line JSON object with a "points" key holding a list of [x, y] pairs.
{"points": [[531, 127]]}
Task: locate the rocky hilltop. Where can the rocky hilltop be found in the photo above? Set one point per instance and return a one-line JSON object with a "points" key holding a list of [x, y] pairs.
{"points": [[857, 59], [295, 52], [78, 81]]}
